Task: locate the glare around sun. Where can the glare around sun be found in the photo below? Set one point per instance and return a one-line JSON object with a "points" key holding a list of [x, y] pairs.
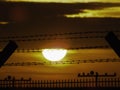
{"points": [[54, 54]]}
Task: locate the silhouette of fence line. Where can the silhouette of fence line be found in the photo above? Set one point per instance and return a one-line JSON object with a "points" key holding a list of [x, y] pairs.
{"points": [[11, 82]]}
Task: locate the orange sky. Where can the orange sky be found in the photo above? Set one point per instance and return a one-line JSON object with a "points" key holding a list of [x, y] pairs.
{"points": [[90, 33]]}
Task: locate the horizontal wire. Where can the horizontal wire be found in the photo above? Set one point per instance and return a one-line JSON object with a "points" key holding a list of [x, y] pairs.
{"points": [[75, 48], [62, 62], [56, 34], [54, 38]]}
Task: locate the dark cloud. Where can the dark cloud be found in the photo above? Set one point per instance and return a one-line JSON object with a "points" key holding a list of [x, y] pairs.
{"points": [[48, 17], [37, 11]]}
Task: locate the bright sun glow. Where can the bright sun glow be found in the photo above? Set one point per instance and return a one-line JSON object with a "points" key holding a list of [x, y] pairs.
{"points": [[106, 12], [54, 54]]}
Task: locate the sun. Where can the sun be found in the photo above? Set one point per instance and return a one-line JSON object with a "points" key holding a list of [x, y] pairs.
{"points": [[54, 54]]}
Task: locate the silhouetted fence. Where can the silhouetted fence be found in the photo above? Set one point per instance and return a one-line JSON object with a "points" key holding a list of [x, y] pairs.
{"points": [[11, 82]]}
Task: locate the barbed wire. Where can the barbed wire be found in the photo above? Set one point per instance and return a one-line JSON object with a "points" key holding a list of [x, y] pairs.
{"points": [[53, 38], [56, 34], [74, 48], [63, 62]]}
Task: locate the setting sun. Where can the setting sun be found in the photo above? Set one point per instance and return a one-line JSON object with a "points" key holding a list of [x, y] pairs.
{"points": [[54, 54]]}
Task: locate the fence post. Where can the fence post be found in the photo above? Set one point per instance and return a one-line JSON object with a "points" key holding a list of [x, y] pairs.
{"points": [[96, 79], [74, 83], [13, 82], [105, 82], [102, 82], [65, 83], [115, 82], [50, 83], [62, 84], [118, 82], [59, 83], [80, 83]]}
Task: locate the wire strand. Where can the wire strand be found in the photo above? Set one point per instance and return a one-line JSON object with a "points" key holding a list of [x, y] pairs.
{"points": [[106, 60]]}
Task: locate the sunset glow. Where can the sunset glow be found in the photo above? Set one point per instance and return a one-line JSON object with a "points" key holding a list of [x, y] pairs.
{"points": [[106, 12], [54, 54]]}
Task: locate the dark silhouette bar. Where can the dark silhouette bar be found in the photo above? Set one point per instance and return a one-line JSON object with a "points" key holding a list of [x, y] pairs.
{"points": [[7, 52], [82, 83], [96, 76], [113, 42]]}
